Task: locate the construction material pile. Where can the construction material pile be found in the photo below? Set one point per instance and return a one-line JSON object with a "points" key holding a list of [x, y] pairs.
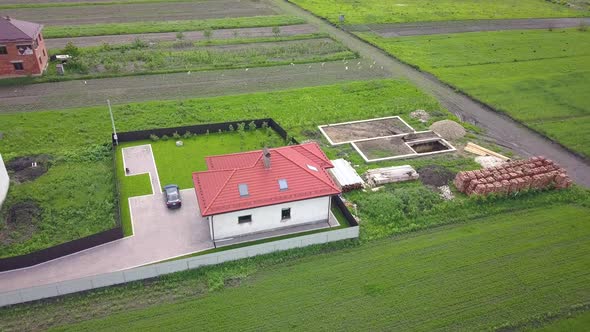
{"points": [[379, 176], [448, 129], [346, 176], [534, 173]]}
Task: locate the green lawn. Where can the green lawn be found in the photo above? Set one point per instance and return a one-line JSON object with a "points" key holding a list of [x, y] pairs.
{"points": [[141, 58], [538, 77], [474, 276], [167, 26], [379, 11]]}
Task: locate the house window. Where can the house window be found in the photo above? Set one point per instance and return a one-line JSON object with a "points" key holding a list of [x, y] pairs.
{"points": [[44, 54], [18, 66], [40, 37], [3, 49], [286, 214], [244, 219], [24, 49]]}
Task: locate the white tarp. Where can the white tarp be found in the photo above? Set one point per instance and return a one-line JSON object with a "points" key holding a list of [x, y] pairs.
{"points": [[345, 174]]}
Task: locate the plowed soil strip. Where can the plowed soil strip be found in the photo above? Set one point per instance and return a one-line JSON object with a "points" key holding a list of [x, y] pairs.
{"points": [[142, 12], [289, 30], [432, 28], [70, 94]]}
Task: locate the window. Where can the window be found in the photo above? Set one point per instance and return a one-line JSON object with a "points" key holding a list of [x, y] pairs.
{"points": [[313, 168], [44, 54], [40, 37], [286, 214], [244, 219], [24, 49], [243, 189], [3, 49], [283, 184], [18, 66]]}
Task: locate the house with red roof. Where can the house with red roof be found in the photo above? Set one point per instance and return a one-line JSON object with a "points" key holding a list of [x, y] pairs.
{"points": [[259, 191], [22, 48]]}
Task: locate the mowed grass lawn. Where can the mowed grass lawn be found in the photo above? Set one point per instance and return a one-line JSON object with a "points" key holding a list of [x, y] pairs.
{"points": [[538, 77], [379, 11], [494, 271]]}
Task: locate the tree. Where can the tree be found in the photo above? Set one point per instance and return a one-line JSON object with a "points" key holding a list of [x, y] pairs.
{"points": [[71, 49]]}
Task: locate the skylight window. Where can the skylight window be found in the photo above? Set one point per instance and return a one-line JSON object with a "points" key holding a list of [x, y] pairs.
{"points": [[243, 188], [313, 168], [283, 184]]}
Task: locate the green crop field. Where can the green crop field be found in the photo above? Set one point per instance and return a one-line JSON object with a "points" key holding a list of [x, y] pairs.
{"points": [[575, 323], [473, 276], [141, 58], [379, 11], [538, 77], [167, 26]]}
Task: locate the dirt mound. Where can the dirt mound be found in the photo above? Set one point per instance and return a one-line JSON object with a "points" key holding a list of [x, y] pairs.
{"points": [[22, 169], [21, 219], [448, 129], [421, 115], [434, 175]]}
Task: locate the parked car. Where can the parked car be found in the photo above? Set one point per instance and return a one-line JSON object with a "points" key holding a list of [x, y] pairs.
{"points": [[63, 58], [172, 196]]}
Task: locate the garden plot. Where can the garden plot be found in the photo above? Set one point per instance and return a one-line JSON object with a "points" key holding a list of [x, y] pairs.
{"points": [[120, 13], [385, 139]]}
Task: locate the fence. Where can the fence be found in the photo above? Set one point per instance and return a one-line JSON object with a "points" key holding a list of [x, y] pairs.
{"points": [[4, 181], [138, 135], [155, 270]]}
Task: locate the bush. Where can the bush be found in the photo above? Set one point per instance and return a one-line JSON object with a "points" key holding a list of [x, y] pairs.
{"points": [[176, 135], [252, 125], [165, 138], [154, 138], [187, 134], [71, 49]]}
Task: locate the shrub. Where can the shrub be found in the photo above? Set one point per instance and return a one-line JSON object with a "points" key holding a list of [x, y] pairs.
{"points": [[276, 30], [252, 125], [179, 35], [71, 49], [231, 128], [154, 138], [187, 134], [176, 135], [138, 43], [208, 33], [165, 138]]}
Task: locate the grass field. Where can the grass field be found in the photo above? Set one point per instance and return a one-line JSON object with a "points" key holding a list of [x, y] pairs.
{"points": [[378, 11], [472, 276], [142, 58], [538, 77], [167, 26]]}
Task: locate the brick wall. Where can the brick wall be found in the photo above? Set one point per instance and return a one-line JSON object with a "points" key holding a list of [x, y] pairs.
{"points": [[534, 173], [34, 64]]}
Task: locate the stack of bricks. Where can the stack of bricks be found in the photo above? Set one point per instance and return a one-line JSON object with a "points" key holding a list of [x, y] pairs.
{"points": [[534, 173]]}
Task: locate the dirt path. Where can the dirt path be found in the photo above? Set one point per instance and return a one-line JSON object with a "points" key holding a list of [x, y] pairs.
{"points": [[38, 97], [498, 127], [432, 28], [288, 30]]}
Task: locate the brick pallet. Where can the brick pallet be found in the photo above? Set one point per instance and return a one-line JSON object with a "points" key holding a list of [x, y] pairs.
{"points": [[534, 173]]}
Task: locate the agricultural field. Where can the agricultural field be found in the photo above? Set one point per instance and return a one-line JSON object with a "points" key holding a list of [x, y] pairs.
{"points": [[183, 56], [77, 197], [377, 11], [114, 12], [478, 274], [538, 77]]}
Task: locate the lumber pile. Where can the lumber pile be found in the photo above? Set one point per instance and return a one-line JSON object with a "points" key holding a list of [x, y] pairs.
{"points": [[379, 176], [534, 173], [481, 151], [346, 176]]}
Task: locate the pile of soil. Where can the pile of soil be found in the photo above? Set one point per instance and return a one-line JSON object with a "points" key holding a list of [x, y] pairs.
{"points": [[21, 169], [435, 175], [448, 129], [21, 219]]}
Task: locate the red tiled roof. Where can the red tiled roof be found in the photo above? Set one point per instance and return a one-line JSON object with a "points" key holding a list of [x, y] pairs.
{"points": [[217, 189], [12, 30]]}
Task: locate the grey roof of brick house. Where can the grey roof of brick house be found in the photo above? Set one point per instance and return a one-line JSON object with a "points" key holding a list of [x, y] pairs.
{"points": [[12, 30]]}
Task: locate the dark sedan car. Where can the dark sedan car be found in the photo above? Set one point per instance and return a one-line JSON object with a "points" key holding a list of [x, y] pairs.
{"points": [[172, 196]]}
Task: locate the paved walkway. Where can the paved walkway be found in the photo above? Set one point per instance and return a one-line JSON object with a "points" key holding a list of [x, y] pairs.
{"points": [[498, 127], [140, 160], [433, 28], [288, 30], [159, 234]]}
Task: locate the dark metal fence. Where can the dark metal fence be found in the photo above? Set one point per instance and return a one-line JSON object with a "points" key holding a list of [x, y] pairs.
{"points": [[336, 200]]}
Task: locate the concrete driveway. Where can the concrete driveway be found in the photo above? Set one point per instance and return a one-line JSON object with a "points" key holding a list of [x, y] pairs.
{"points": [[159, 234]]}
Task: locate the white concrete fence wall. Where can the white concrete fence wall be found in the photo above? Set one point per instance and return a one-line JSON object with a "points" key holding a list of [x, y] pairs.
{"points": [[4, 181], [151, 271]]}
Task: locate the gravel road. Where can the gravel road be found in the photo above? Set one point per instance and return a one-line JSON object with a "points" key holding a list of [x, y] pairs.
{"points": [[37, 97], [433, 28], [503, 130], [288, 30]]}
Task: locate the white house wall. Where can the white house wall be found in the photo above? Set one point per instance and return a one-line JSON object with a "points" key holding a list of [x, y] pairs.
{"points": [[4, 181], [269, 217]]}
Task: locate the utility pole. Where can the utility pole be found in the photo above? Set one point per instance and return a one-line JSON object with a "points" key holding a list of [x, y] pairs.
{"points": [[113, 123]]}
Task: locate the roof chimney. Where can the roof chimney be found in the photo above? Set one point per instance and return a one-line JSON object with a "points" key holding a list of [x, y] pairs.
{"points": [[266, 157], [7, 18]]}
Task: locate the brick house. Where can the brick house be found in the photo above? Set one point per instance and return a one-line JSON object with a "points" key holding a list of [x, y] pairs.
{"points": [[22, 48]]}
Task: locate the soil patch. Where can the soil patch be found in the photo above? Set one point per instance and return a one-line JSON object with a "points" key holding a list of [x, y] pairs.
{"points": [[448, 129], [384, 147], [435, 175], [20, 223], [340, 133], [28, 168]]}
